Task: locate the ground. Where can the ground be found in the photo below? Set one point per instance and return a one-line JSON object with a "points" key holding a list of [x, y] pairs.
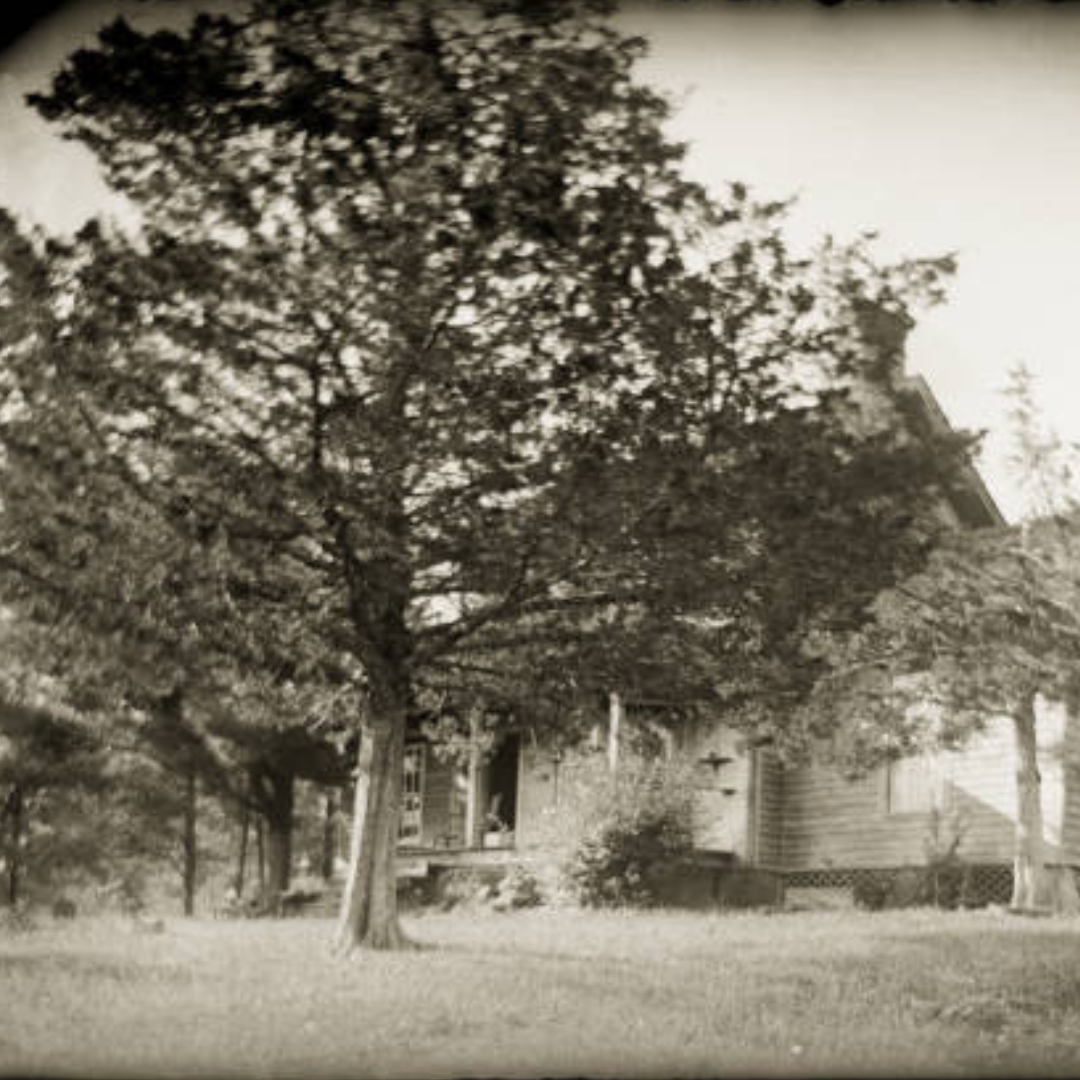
{"points": [[550, 993]]}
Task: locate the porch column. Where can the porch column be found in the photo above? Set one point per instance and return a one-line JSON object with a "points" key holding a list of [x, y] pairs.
{"points": [[475, 796], [753, 805]]}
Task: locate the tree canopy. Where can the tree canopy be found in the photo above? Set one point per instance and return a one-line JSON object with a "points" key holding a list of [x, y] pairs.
{"points": [[424, 367], [987, 629]]}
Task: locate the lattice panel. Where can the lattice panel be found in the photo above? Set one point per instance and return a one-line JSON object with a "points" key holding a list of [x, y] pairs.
{"points": [[820, 879], [980, 884], [987, 885]]}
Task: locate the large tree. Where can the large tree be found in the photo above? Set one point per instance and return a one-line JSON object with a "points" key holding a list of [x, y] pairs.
{"points": [[425, 340], [130, 602], [51, 765], [988, 628]]}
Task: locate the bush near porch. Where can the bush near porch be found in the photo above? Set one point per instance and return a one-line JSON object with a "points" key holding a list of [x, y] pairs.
{"points": [[615, 838]]}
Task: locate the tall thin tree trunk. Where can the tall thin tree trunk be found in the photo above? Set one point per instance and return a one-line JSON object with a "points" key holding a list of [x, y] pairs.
{"points": [[241, 857], [191, 840], [260, 846], [1029, 864], [369, 918], [329, 845], [1035, 885], [279, 825], [17, 805]]}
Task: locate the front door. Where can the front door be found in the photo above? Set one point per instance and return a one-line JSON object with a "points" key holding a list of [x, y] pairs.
{"points": [[501, 787]]}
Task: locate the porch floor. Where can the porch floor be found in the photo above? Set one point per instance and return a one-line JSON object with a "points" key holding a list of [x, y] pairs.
{"points": [[441, 856]]}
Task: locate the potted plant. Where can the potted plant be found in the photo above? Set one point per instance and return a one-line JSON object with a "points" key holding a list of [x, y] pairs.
{"points": [[497, 834]]}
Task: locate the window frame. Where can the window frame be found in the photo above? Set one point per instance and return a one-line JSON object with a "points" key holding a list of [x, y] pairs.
{"points": [[411, 823], [935, 793]]}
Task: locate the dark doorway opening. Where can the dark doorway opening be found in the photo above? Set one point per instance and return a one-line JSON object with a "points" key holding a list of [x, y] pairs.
{"points": [[503, 782]]}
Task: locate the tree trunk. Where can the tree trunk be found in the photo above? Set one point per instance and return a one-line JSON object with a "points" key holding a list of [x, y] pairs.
{"points": [[1031, 885], [15, 858], [260, 846], [279, 824], [1029, 863], [241, 857], [191, 840], [1036, 887], [329, 845], [369, 918]]}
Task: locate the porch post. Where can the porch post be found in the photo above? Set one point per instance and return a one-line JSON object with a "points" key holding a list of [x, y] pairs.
{"points": [[474, 794], [753, 805]]}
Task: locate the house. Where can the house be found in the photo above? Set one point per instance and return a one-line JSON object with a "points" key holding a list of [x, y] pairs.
{"points": [[763, 829]]}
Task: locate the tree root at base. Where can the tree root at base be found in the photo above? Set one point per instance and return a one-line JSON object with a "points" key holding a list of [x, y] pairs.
{"points": [[395, 940]]}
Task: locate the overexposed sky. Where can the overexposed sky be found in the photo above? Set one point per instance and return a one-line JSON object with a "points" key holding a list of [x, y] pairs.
{"points": [[944, 127]]}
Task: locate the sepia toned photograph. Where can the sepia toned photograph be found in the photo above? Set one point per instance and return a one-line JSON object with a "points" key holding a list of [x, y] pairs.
{"points": [[539, 538]]}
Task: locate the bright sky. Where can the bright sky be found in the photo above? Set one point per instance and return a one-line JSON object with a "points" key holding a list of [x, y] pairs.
{"points": [[944, 127]]}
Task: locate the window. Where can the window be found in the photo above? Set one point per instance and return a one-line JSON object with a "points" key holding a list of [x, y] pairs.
{"points": [[915, 785], [412, 796]]}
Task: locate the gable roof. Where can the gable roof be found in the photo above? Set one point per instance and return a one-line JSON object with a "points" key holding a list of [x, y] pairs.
{"points": [[970, 500]]}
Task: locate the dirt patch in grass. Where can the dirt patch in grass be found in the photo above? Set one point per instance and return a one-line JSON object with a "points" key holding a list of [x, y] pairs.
{"points": [[551, 993]]}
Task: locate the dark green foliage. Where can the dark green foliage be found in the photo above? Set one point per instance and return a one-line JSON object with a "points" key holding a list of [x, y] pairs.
{"points": [[668, 455], [619, 864], [429, 383], [946, 884], [91, 799], [63, 908], [949, 883], [463, 886], [945, 879], [519, 888], [53, 772], [871, 891], [639, 826], [989, 622], [17, 920]]}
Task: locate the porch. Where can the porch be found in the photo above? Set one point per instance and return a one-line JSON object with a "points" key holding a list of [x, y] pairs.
{"points": [[460, 813]]}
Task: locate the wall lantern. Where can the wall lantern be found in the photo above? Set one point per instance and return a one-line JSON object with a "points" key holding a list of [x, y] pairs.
{"points": [[715, 760]]}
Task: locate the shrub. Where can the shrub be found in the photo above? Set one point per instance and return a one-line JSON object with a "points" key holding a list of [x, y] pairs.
{"points": [[466, 886], [942, 881], [946, 874], [63, 908], [639, 825], [16, 920], [416, 892], [871, 891], [520, 888], [126, 892], [909, 887]]}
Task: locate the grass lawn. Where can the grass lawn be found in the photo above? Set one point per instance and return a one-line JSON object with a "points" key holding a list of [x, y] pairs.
{"points": [[549, 993]]}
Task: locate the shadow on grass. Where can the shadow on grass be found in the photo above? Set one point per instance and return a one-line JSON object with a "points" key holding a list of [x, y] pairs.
{"points": [[979, 936], [78, 966], [511, 953]]}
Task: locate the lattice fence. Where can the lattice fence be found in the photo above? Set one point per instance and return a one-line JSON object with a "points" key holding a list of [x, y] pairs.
{"points": [[979, 884]]}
